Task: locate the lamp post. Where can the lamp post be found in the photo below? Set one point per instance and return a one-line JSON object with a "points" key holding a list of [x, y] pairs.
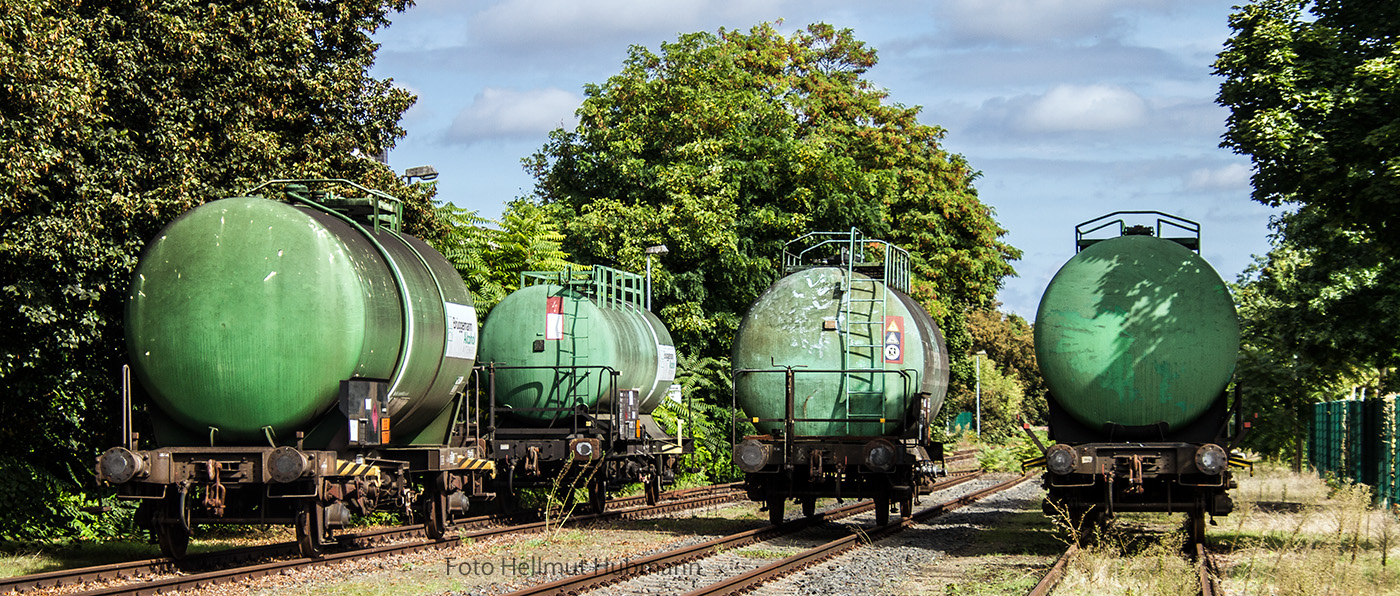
{"points": [[977, 363], [424, 173], [659, 249]]}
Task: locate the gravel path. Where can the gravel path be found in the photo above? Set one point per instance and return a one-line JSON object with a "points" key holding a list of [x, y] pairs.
{"points": [[870, 569], [500, 565], [877, 569]]}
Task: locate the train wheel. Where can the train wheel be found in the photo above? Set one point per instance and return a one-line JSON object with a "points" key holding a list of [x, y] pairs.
{"points": [[775, 509], [171, 524], [310, 525], [809, 506], [882, 510], [597, 495], [653, 489], [1195, 528], [435, 522]]}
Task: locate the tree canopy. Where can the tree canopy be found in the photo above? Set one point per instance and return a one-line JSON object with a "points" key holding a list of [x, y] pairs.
{"points": [[117, 116], [725, 146], [1312, 99], [1312, 89]]}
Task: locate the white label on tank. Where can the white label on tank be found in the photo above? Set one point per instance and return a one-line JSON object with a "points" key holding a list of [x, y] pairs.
{"points": [[554, 317], [354, 431], [665, 363], [461, 331]]}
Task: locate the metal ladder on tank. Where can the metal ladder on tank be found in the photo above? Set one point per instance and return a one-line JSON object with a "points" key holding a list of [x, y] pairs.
{"points": [[573, 351], [863, 311], [573, 347]]}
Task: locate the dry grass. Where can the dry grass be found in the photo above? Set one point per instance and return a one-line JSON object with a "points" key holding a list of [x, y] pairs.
{"points": [[1291, 534], [1130, 560], [1295, 534]]}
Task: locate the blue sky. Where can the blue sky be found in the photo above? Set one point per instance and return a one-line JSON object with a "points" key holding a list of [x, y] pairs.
{"points": [[1069, 108]]}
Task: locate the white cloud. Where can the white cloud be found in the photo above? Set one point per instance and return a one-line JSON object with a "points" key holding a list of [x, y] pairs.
{"points": [[1231, 177], [1071, 108], [1038, 21], [568, 22], [505, 113]]}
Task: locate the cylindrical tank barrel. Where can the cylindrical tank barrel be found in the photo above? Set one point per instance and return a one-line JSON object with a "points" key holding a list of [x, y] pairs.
{"points": [[864, 356], [245, 314], [1136, 330], [556, 350]]}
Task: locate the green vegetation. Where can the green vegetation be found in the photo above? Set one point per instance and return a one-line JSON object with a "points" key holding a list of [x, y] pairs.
{"points": [[117, 117], [491, 259], [1312, 89], [1131, 562], [726, 146], [722, 146], [1007, 452]]}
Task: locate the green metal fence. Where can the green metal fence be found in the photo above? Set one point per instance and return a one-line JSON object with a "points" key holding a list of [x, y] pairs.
{"points": [[1356, 440]]}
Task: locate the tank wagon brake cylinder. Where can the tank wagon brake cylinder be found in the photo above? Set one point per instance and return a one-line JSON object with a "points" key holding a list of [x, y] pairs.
{"points": [[301, 360], [1137, 338], [840, 372]]}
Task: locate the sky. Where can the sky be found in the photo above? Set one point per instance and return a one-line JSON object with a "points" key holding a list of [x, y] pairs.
{"points": [[1070, 109]]}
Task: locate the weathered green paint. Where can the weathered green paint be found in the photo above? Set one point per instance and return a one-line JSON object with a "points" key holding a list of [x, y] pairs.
{"points": [[786, 327], [1136, 330], [247, 313], [622, 337]]}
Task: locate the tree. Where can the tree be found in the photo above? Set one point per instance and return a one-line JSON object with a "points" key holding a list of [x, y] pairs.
{"points": [[115, 117], [1312, 102], [491, 259], [725, 146], [1009, 342], [1003, 400], [1287, 360]]}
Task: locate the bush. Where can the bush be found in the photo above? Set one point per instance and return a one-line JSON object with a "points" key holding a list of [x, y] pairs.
{"points": [[42, 506]]}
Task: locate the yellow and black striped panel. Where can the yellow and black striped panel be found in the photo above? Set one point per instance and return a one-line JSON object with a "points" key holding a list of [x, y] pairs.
{"points": [[477, 464], [1034, 462], [1237, 461], [350, 468]]}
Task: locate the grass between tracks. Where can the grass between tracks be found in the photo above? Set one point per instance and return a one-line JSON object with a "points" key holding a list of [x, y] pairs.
{"points": [[40, 557], [1005, 556], [1290, 535]]}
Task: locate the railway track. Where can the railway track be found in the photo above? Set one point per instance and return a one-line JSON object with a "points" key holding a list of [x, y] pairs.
{"points": [[688, 554], [199, 570], [1206, 572]]}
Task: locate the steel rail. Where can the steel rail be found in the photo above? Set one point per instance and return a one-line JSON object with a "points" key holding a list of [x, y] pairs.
{"points": [[1206, 572], [201, 580], [614, 573], [625, 507], [747, 581], [1055, 574]]}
